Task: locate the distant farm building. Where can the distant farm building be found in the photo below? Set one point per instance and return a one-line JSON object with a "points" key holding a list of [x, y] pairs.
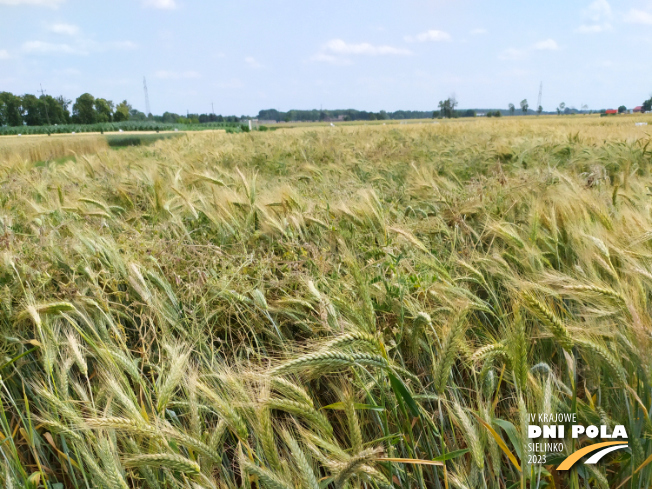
{"points": [[638, 109], [611, 112]]}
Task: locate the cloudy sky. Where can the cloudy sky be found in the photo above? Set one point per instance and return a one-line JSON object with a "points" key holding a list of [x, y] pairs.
{"points": [[248, 55]]}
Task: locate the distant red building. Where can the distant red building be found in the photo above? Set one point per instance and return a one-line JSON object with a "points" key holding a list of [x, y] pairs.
{"points": [[611, 111], [638, 109]]}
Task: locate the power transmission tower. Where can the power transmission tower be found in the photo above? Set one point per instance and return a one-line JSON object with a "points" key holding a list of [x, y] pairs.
{"points": [[148, 111], [540, 95], [42, 92]]}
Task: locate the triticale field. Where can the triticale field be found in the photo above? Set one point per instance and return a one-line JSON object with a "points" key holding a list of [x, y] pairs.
{"points": [[332, 307]]}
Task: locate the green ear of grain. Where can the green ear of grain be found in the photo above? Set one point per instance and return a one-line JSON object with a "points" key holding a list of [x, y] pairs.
{"points": [[549, 319], [602, 352], [45, 309], [512, 458], [176, 463], [267, 478]]}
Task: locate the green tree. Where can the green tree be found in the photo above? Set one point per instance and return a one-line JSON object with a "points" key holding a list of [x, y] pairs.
{"points": [[622, 109], [34, 111], [447, 107], [647, 105], [44, 110], [122, 112], [524, 106], [168, 117], [63, 104], [83, 110], [11, 110], [103, 110], [539, 110], [137, 115], [54, 110], [512, 109]]}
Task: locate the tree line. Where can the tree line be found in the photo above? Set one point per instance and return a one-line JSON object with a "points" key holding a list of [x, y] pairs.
{"points": [[315, 115], [46, 110], [30, 110]]}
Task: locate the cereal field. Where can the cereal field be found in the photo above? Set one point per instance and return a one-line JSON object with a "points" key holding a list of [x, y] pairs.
{"points": [[326, 307]]}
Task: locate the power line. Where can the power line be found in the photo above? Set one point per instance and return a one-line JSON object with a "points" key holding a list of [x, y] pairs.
{"points": [[540, 95], [47, 116], [148, 111]]}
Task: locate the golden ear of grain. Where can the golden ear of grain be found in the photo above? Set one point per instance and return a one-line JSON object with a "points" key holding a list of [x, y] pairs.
{"points": [[410, 237]]}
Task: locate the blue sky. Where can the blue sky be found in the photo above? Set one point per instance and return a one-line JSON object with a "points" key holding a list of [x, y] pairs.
{"points": [[248, 55]]}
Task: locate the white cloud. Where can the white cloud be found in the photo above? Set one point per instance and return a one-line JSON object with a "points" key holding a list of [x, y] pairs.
{"points": [[604, 64], [329, 58], [161, 4], [517, 72], [251, 61], [596, 16], [42, 3], [233, 83], [118, 45], [64, 29], [479, 32], [593, 29], [40, 47], [335, 52], [513, 54], [68, 72], [598, 11], [547, 45], [4, 54], [174, 75], [338, 46], [80, 47], [635, 16], [431, 35]]}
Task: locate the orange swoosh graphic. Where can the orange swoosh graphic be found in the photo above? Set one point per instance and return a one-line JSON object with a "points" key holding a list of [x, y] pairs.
{"points": [[574, 457]]}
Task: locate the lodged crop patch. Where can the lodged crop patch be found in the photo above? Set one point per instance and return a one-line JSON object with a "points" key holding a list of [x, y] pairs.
{"points": [[335, 307]]}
